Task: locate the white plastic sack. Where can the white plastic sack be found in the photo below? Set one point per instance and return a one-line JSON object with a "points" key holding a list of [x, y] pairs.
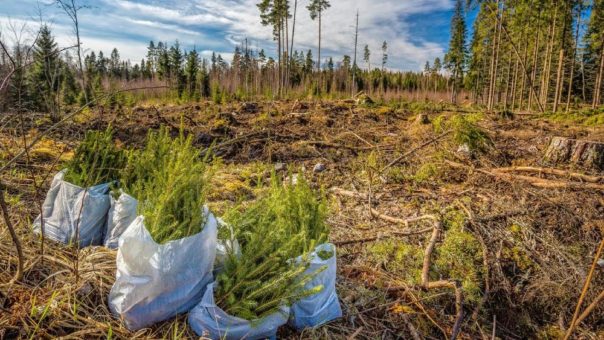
{"points": [[69, 208], [320, 308], [155, 282], [223, 246], [210, 321], [121, 214]]}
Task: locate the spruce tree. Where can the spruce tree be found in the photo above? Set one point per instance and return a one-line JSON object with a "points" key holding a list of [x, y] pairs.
{"points": [[191, 70], [384, 55], [176, 61], [366, 57], [316, 8], [456, 57], [69, 86], [163, 62], [114, 64], [44, 79]]}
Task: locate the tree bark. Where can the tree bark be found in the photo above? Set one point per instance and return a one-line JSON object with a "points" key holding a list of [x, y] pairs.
{"points": [[559, 80], [589, 154], [573, 60], [598, 89]]}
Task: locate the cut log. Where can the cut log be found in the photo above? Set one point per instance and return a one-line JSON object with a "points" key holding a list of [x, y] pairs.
{"points": [[589, 154]]}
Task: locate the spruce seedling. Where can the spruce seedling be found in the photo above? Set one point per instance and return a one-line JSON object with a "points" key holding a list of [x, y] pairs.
{"points": [[96, 160], [275, 230], [170, 181]]}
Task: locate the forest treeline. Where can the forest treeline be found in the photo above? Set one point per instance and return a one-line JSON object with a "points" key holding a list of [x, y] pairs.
{"points": [[544, 55]]}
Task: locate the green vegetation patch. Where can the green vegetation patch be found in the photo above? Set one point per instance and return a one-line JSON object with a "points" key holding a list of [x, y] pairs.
{"points": [[588, 117], [466, 130]]}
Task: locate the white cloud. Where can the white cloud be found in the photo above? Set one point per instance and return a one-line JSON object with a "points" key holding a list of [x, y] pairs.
{"points": [[221, 24]]}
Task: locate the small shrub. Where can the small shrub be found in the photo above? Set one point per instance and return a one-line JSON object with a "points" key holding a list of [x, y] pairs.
{"points": [[466, 131]]}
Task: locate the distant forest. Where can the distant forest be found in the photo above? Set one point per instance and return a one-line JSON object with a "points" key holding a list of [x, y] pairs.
{"points": [[534, 55]]}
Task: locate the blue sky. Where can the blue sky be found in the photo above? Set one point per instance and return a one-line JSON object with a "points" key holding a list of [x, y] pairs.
{"points": [[416, 30]]}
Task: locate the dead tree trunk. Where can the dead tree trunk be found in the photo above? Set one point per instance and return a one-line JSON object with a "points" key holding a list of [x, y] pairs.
{"points": [[589, 154]]}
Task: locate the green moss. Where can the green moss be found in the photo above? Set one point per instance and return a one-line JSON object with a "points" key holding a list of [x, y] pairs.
{"points": [[425, 172], [515, 252], [400, 258], [460, 256], [550, 332], [587, 117]]}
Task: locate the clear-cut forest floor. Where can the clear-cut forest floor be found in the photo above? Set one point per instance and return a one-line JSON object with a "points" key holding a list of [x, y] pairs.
{"points": [[516, 235]]}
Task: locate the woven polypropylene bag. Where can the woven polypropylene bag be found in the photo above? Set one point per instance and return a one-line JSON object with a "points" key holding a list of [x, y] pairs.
{"points": [[155, 282], [71, 212]]}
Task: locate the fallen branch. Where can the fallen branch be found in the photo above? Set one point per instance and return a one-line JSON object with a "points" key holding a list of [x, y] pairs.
{"points": [[550, 171], [412, 151], [436, 231], [451, 284], [586, 285], [590, 308], [536, 182], [375, 238], [19, 274]]}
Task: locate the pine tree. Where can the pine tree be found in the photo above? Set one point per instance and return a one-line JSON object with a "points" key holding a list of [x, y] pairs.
{"points": [[206, 90], [275, 13], [316, 8], [384, 55]]}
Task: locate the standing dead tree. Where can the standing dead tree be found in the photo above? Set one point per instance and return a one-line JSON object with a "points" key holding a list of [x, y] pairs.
{"points": [[71, 8]]}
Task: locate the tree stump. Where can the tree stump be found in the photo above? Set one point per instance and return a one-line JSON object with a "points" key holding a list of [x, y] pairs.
{"points": [[422, 119], [589, 154]]}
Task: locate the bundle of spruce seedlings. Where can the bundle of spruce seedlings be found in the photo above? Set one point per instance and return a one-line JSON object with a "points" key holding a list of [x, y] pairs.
{"points": [[170, 180], [285, 224], [96, 160], [142, 165]]}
